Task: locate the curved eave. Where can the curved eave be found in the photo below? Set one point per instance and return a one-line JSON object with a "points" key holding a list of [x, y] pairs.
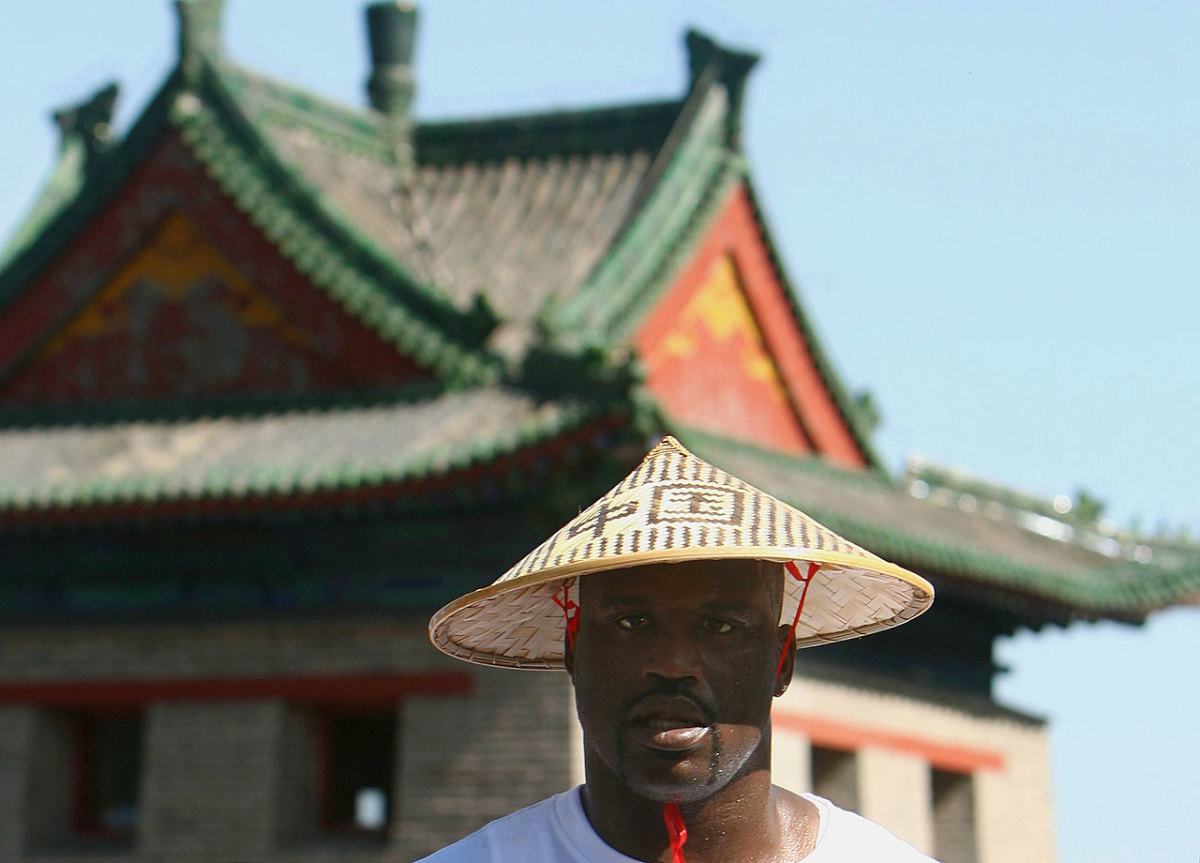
{"points": [[825, 368], [1103, 588], [505, 460], [668, 219], [60, 188], [112, 171], [1114, 592], [678, 198]]}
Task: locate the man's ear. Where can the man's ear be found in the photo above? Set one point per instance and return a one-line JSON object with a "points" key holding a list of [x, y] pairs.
{"points": [[786, 646]]}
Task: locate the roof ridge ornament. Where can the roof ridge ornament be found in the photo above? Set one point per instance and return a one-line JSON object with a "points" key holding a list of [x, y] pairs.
{"points": [[88, 123], [391, 35], [199, 34], [391, 38], [708, 59]]}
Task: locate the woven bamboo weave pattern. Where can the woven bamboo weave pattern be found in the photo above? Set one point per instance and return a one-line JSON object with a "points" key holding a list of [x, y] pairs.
{"points": [[675, 507]]}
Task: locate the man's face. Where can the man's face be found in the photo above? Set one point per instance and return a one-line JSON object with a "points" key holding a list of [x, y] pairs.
{"points": [[674, 671]]}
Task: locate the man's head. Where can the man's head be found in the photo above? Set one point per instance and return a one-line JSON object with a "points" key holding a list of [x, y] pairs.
{"points": [[674, 667]]}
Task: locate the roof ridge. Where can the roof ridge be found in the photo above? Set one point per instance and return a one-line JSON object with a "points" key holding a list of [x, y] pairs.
{"points": [[565, 114], [370, 283], [84, 129], [287, 101], [112, 168], [663, 221], [815, 462], [587, 130]]}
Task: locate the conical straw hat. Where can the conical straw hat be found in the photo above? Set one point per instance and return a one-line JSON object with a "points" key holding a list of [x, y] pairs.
{"points": [[677, 507]]}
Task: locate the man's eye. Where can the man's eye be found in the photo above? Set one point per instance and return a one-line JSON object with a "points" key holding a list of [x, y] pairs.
{"points": [[718, 627], [631, 621]]}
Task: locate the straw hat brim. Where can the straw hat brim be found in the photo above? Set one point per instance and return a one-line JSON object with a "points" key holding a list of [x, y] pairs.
{"points": [[673, 508], [517, 624]]}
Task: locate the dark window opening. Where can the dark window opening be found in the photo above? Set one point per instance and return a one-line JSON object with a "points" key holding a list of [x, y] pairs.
{"points": [[107, 774], [835, 776], [953, 817], [359, 771]]}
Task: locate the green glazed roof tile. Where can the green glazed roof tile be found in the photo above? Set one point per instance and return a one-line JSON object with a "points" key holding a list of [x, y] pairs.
{"points": [[286, 216], [57, 467]]}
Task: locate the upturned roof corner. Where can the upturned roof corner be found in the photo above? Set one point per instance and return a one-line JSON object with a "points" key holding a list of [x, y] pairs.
{"points": [[711, 62], [88, 124], [85, 134]]}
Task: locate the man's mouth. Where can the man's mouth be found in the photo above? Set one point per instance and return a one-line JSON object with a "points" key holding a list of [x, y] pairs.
{"points": [[668, 723]]}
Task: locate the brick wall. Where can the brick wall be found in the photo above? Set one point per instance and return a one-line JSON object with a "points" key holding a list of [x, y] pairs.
{"points": [[16, 740], [895, 791], [209, 780], [235, 779], [469, 763], [1012, 808]]}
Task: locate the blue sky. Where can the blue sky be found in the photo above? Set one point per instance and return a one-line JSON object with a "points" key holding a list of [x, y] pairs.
{"points": [[990, 212]]}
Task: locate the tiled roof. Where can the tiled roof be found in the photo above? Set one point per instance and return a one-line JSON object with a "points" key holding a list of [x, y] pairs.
{"points": [[371, 284], [275, 454], [977, 548], [567, 221], [490, 214], [567, 225]]}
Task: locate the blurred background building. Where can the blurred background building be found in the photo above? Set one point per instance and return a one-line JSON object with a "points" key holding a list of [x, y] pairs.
{"points": [[279, 377]]}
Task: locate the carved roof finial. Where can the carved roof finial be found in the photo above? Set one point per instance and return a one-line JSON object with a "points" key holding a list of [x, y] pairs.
{"points": [[88, 123], [725, 65], [199, 33], [391, 33]]}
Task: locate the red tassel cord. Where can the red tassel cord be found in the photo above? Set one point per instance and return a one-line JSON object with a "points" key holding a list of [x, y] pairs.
{"points": [[571, 613], [807, 579], [676, 830]]}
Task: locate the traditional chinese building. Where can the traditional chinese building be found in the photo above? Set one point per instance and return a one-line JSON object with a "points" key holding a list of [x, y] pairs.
{"points": [[279, 377]]}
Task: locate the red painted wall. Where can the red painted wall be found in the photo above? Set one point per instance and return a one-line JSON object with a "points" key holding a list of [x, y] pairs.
{"points": [[172, 291], [724, 352]]}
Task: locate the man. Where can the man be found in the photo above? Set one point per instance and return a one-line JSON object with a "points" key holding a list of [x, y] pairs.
{"points": [[676, 603]]}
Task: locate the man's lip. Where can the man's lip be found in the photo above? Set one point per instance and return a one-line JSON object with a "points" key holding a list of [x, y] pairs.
{"points": [[665, 710], [669, 723], [673, 739]]}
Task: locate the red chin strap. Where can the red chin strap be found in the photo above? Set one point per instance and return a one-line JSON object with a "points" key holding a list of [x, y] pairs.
{"points": [[794, 571], [676, 830], [570, 612]]}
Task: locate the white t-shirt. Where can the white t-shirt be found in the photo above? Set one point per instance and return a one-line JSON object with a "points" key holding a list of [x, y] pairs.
{"points": [[557, 831]]}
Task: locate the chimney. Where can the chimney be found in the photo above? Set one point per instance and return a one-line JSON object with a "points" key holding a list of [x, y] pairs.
{"points": [[391, 30]]}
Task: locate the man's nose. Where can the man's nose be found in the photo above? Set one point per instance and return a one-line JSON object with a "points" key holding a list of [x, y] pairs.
{"points": [[672, 657]]}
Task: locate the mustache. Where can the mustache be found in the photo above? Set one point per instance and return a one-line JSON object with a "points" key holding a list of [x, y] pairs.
{"points": [[672, 688]]}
